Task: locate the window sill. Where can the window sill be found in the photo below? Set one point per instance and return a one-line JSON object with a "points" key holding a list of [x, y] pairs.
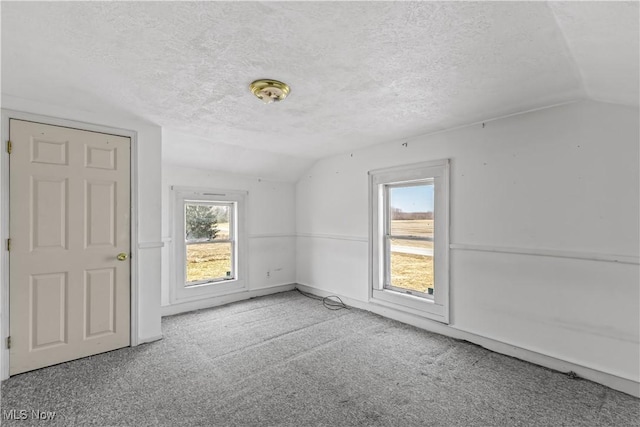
{"points": [[419, 306], [209, 283], [208, 290]]}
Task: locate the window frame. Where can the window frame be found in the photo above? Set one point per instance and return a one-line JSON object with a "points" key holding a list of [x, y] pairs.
{"points": [[180, 291], [434, 307]]}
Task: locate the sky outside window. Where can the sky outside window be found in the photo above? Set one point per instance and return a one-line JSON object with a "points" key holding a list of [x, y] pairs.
{"points": [[418, 198]]}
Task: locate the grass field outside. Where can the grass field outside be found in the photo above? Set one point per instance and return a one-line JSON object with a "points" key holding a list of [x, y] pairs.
{"points": [[209, 260], [412, 271], [412, 227]]}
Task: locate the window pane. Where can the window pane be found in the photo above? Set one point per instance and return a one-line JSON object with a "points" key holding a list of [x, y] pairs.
{"points": [[411, 210], [209, 261], [411, 214], [412, 265], [206, 222]]}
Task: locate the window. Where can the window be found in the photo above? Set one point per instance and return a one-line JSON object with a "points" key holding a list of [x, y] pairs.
{"points": [[209, 245], [210, 242], [409, 238]]}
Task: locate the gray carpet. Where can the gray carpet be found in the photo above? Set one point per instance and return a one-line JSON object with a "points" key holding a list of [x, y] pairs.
{"points": [[284, 359]]}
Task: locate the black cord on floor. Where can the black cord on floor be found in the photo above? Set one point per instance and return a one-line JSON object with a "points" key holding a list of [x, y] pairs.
{"points": [[327, 301]]}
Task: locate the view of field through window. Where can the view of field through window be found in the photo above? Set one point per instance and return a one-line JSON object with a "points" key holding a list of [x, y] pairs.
{"points": [[208, 242], [411, 237]]}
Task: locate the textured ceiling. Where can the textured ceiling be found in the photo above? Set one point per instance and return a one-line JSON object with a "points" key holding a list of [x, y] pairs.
{"points": [[360, 72], [604, 40]]}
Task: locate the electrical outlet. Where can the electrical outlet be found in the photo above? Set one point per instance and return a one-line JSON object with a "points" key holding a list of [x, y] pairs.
{"points": [[268, 274]]}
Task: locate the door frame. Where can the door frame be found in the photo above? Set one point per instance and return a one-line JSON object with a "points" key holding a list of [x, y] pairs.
{"points": [[4, 220]]}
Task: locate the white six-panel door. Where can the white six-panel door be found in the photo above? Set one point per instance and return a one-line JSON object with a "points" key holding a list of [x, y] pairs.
{"points": [[69, 225]]}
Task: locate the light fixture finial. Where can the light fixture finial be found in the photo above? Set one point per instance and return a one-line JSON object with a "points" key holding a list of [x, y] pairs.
{"points": [[269, 90]]}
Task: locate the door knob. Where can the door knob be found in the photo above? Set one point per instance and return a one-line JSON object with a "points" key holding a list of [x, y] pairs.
{"points": [[122, 256]]}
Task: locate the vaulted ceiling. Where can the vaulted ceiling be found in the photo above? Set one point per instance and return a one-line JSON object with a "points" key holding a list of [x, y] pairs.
{"points": [[360, 73]]}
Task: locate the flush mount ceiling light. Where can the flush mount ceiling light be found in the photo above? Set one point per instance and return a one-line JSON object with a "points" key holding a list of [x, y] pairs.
{"points": [[269, 91]]}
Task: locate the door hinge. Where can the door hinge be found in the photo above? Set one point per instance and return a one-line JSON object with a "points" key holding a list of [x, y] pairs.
{"points": [[9, 146], [8, 244], [9, 342]]}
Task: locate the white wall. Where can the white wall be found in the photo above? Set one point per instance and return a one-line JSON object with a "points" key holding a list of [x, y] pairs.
{"points": [[185, 150], [561, 182], [270, 221], [148, 164]]}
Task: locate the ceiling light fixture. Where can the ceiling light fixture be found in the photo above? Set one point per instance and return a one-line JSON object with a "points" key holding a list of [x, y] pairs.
{"points": [[268, 90]]}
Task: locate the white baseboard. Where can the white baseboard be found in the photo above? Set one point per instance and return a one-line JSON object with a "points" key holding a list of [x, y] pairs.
{"points": [[169, 310], [610, 380]]}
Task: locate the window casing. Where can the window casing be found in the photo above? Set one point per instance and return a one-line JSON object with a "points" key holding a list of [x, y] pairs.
{"points": [[419, 248], [209, 244]]}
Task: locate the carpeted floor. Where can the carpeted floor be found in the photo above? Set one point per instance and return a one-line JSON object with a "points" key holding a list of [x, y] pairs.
{"points": [[284, 359]]}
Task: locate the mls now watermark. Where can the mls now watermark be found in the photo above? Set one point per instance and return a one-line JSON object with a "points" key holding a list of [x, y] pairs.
{"points": [[23, 414]]}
